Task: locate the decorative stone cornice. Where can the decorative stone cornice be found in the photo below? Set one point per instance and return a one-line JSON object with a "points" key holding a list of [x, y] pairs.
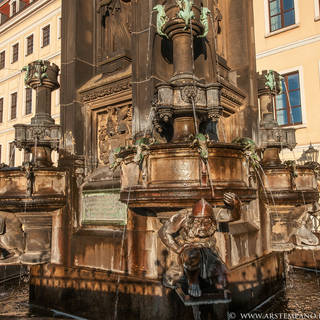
{"points": [[106, 90], [232, 97]]}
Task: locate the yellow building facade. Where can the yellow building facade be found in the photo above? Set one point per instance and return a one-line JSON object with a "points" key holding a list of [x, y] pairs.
{"points": [[287, 35], [29, 30]]}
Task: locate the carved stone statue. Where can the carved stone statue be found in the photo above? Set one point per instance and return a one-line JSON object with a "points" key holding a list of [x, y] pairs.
{"points": [[116, 23], [303, 234], [191, 236], [12, 240]]}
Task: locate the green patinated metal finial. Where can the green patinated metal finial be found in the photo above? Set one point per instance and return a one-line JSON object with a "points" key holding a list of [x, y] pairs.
{"points": [[270, 80], [40, 71], [205, 12], [36, 69], [161, 19], [27, 75], [185, 12], [273, 81]]}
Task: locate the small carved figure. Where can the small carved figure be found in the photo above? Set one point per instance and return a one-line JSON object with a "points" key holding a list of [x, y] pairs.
{"points": [[303, 234], [114, 129], [115, 19], [37, 69], [28, 169], [104, 8], [205, 12], [161, 19], [124, 118], [186, 13], [40, 70], [249, 149], [191, 236], [11, 238], [201, 142], [27, 75]]}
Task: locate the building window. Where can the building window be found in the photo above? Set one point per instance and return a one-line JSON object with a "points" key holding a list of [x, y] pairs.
{"points": [[46, 36], [15, 52], [14, 105], [12, 154], [2, 59], [13, 8], [28, 100], [29, 45], [281, 14], [317, 10], [1, 110], [288, 103], [59, 27]]}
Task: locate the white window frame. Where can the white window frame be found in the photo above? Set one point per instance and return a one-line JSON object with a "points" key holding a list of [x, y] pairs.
{"points": [[24, 102], [8, 153], [302, 96], [316, 10], [5, 57], [10, 105], [26, 44], [41, 35], [59, 27], [3, 117], [268, 33], [17, 6], [11, 54]]}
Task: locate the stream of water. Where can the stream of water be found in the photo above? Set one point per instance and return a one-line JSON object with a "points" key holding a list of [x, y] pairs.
{"points": [[299, 300]]}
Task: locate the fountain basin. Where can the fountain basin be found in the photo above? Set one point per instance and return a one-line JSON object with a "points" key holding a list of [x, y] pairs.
{"points": [[175, 173], [281, 186], [286, 192], [31, 204], [48, 189]]}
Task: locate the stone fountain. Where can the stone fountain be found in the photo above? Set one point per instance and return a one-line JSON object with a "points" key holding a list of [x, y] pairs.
{"points": [[32, 195], [288, 190], [162, 205]]}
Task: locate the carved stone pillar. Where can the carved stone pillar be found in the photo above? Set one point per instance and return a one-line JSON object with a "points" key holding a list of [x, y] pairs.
{"points": [[271, 137], [42, 135]]}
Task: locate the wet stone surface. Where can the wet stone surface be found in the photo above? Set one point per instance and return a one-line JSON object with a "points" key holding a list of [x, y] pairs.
{"points": [[302, 296], [14, 303]]}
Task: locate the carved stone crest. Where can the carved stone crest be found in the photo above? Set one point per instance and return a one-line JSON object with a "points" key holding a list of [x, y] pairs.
{"points": [[188, 93], [114, 130]]}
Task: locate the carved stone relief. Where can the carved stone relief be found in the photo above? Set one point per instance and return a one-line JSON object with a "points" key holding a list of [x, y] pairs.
{"points": [[116, 26], [114, 127]]}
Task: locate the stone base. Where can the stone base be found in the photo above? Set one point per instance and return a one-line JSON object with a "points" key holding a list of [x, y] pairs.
{"points": [[96, 294], [305, 258], [221, 297], [35, 258]]}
